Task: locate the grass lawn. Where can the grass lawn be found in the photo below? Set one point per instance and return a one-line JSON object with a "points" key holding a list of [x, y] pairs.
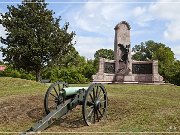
{"points": [[131, 108]]}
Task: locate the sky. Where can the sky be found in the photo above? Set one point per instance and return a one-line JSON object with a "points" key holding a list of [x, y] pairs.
{"points": [[94, 20]]}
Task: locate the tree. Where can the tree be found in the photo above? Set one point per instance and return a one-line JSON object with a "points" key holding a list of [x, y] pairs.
{"points": [[89, 69], [104, 53], [34, 37], [151, 50], [173, 73], [70, 59]]}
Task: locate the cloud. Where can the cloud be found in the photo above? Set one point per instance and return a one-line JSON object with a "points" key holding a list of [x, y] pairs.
{"points": [[168, 10], [94, 24], [142, 16], [2, 31], [165, 9], [176, 50], [2, 34], [98, 17], [173, 31], [87, 46]]}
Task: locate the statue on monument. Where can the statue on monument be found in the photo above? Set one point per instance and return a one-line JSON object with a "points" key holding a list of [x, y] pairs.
{"points": [[124, 53]]}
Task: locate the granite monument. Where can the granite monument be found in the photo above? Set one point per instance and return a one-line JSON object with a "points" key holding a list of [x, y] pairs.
{"points": [[123, 69]]}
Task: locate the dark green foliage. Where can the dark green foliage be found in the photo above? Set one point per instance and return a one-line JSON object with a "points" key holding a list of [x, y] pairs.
{"points": [[70, 75], [34, 37], [89, 69], [173, 73], [169, 68], [9, 72], [151, 50], [77, 71], [102, 53], [72, 68]]}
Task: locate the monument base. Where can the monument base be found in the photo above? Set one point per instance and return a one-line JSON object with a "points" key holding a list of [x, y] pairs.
{"points": [[134, 78], [142, 72]]}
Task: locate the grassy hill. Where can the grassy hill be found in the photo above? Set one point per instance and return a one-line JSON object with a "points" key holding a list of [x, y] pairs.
{"points": [[132, 108]]}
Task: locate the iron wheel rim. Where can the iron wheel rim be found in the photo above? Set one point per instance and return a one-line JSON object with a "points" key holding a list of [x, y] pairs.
{"points": [[95, 104], [53, 96]]}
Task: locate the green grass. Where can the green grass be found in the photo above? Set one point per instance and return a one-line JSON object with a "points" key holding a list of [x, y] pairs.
{"points": [[132, 108], [15, 86]]}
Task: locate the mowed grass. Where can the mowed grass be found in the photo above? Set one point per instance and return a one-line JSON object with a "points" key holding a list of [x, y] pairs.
{"points": [[15, 86], [131, 108]]}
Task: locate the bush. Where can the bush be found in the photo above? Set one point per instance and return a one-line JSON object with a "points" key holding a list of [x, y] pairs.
{"points": [[27, 76], [71, 75], [9, 72], [15, 74]]}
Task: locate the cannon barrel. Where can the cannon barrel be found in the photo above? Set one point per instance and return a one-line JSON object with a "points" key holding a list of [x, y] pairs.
{"points": [[71, 90]]}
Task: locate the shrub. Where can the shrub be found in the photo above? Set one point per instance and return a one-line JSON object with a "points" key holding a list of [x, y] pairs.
{"points": [[15, 74], [27, 76], [9, 72], [70, 75]]}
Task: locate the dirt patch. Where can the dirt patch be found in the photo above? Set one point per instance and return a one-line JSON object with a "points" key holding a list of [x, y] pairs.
{"points": [[30, 108], [16, 109]]}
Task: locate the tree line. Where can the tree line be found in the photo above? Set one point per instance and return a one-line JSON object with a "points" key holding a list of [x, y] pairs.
{"points": [[38, 47]]}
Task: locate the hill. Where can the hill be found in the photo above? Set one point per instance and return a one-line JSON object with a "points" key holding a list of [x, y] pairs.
{"points": [[132, 108]]}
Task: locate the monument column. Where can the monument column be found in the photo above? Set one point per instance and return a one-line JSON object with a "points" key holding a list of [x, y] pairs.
{"points": [[122, 49]]}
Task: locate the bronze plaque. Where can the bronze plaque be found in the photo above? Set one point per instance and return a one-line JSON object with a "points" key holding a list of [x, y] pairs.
{"points": [[142, 68]]}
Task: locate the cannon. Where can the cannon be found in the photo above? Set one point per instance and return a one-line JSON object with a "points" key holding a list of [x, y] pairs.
{"points": [[60, 98]]}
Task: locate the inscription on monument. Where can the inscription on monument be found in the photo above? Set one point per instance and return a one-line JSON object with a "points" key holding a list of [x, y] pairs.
{"points": [[109, 68], [142, 68]]}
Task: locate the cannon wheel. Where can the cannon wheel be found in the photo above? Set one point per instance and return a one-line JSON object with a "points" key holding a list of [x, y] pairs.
{"points": [[53, 96], [95, 104]]}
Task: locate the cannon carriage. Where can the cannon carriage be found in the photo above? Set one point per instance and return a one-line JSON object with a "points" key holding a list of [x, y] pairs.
{"points": [[60, 98]]}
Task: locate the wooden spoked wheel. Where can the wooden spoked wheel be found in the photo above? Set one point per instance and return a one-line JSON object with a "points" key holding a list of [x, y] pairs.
{"points": [[53, 96], [95, 104]]}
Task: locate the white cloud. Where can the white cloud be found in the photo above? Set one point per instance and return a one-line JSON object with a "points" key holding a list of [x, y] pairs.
{"points": [[142, 16], [98, 17], [173, 31], [2, 34], [2, 31], [176, 50], [87, 46], [168, 10], [165, 9], [139, 11]]}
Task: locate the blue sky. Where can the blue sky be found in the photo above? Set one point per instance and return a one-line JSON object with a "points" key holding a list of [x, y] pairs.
{"points": [[94, 21]]}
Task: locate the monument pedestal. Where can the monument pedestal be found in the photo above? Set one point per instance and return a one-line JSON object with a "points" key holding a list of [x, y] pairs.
{"points": [[142, 72]]}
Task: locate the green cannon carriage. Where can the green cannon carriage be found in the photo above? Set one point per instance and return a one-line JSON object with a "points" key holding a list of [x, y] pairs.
{"points": [[60, 98]]}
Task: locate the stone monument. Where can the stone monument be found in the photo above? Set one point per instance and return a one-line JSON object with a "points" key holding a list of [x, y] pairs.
{"points": [[123, 69]]}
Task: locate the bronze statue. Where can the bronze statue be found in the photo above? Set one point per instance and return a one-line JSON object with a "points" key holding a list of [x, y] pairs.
{"points": [[125, 51]]}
